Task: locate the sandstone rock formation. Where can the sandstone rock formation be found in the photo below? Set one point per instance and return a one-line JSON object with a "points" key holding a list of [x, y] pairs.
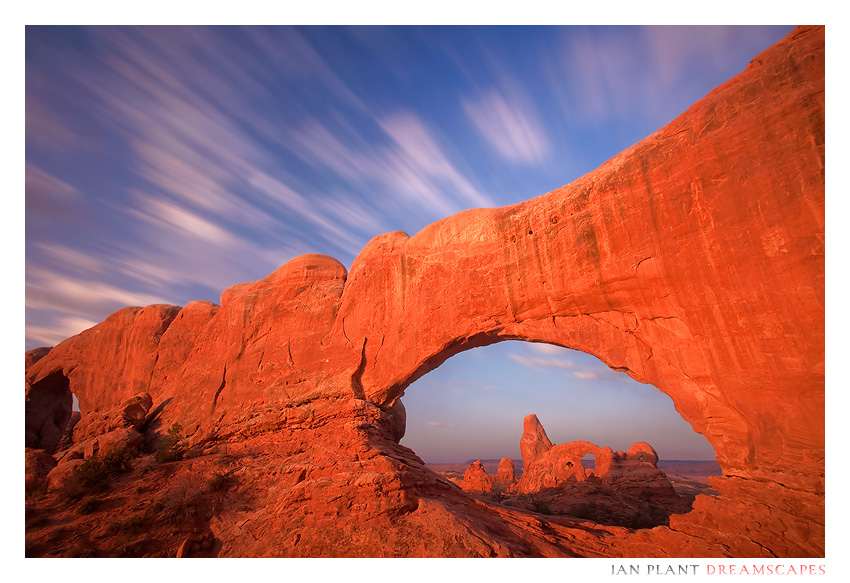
{"points": [[635, 471], [121, 438], [534, 440], [34, 355], [547, 466], [693, 261], [59, 476], [132, 413], [505, 474], [476, 479]]}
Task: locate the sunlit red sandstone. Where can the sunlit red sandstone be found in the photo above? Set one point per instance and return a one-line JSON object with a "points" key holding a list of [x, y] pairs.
{"points": [[693, 261]]}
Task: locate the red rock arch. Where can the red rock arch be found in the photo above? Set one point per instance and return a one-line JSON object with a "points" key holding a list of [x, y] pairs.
{"points": [[694, 261]]}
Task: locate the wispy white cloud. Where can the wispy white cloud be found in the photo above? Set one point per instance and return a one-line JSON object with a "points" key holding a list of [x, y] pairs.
{"points": [[546, 348], [586, 376], [673, 50], [284, 195], [62, 328], [344, 209], [419, 153], [165, 214], [411, 165], [295, 55], [68, 257], [316, 144], [538, 362], [602, 74], [43, 187], [511, 129], [59, 306], [434, 424]]}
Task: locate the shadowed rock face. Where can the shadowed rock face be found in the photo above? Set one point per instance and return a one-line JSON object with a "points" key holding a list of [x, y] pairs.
{"points": [[693, 261], [48, 411]]}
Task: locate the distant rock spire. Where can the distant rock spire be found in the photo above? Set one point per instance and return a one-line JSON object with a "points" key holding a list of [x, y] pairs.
{"points": [[534, 442]]}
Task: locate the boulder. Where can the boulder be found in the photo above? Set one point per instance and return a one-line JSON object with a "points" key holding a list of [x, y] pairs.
{"points": [[135, 409], [121, 438], [59, 476]]}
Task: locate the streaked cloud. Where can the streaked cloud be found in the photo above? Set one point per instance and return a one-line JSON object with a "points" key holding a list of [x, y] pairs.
{"points": [[585, 376], [43, 187], [69, 257], [64, 327], [165, 164], [547, 348], [538, 362], [420, 159], [510, 129], [47, 289], [293, 201], [165, 214]]}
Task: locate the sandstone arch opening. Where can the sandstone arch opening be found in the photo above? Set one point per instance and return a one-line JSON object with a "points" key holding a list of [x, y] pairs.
{"points": [[472, 407]]}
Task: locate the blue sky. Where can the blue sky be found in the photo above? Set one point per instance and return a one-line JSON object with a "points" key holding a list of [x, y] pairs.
{"points": [[164, 165]]}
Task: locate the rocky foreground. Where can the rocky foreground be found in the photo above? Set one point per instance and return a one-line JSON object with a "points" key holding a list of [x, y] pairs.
{"points": [[269, 425]]}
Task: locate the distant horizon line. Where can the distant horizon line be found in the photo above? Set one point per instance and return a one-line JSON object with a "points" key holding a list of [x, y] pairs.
{"points": [[488, 460]]}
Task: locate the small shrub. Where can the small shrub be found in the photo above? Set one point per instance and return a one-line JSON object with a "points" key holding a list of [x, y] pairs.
{"points": [[134, 524], [88, 505], [171, 449], [89, 477], [182, 500], [216, 482], [588, 510], [639, 520], [541, 507], [118, 460], [95, 474]]}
